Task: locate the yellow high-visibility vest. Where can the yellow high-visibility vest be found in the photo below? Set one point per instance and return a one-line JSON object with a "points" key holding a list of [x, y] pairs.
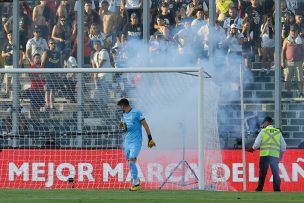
{"points": [[271, 142]]}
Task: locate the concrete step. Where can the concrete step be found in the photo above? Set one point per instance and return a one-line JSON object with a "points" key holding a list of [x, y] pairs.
{"points": [[293, 142]]}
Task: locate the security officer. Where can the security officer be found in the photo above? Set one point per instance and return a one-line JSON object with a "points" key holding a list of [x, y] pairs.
{"points": [[272, 146]]}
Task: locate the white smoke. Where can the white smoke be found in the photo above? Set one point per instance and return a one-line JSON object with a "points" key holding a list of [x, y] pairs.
{"points": [[169, 101]]}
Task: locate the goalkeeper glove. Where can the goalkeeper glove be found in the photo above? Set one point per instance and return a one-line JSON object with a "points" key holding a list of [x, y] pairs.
{"points": [[122, 126], [151, 143]]}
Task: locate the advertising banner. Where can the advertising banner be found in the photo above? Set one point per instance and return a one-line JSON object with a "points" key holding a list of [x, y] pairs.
{"points": [[108, 169]]}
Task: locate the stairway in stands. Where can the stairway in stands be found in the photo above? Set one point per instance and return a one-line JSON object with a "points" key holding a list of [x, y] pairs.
{"points": [[259, 98]]}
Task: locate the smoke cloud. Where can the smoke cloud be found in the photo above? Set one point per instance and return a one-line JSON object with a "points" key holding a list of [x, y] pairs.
{"points": [[169, 100]]}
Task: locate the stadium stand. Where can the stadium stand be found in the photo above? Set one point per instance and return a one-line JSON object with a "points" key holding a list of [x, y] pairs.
{"points": [[259, 92]]}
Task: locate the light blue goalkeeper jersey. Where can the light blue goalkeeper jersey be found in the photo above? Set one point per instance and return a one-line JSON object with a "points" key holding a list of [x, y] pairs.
{"points": [[133, 119]]}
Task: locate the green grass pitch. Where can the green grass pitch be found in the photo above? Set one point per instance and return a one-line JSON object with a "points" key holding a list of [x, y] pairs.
{"points": [[146, 196]]}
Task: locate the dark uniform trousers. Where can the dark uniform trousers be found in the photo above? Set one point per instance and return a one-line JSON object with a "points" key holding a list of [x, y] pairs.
{"points": [[265, 161]]}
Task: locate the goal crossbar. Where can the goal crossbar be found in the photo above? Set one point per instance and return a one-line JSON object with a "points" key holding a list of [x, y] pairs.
{"points": [[101, 70]]}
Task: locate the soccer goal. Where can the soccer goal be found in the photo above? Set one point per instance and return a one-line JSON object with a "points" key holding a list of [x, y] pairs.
{"points": [[59, 129]]}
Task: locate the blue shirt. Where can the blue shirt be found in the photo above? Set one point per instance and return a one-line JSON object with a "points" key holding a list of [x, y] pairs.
{"points": [[133, 119]]}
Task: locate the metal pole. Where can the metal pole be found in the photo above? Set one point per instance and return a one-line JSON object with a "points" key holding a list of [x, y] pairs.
{"points": [[242, 126], [146, 21], [201, 143], [277, 65], [212, 8], [80, 62], [15, 88], [211, 45]]}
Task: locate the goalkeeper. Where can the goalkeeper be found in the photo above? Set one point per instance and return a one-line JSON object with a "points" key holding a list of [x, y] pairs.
{"points": [[132, 120]]}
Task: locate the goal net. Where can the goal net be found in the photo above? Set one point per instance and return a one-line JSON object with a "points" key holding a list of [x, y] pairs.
{"points": [[60, 130]]}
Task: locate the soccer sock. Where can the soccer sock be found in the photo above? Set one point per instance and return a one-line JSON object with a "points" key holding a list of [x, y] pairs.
{"points": [[134, 172]]}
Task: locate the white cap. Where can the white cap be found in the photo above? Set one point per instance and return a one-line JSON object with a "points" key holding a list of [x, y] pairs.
{"points": [[72, 62]]}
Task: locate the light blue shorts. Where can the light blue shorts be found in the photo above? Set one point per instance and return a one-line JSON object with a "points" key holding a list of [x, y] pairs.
{"points": [[132, 150]]}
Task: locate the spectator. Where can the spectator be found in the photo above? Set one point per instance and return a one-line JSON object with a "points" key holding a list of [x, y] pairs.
{"points": [[70, 11], [287, 21], [25, 24], [234, 43], [268, 7], [90, 16], [166, 16], [232, 18], [51, 59], [131, 6], [242, 6], [267, 30], [184, 39], [108, 21], [154, 10], [222, 7], [114, 5], [37, 44], [92, 2], [158, 48], [194, 6], [285, 11], [180, 18], [52, 8], [7, 54], [62, 11], [294, 5], [299, 24], [41, 17], [119, 18], [27, 10], [36, 91], [87, 46], [163, 30], [119, 56], [254, 14], [175, 7], [292, 57], [203, 34], [70, 80], [101, 59], [220, 36], [199, 21], [96, 34], [132, 31], [61, 34], [161, 38], [247, 49]]}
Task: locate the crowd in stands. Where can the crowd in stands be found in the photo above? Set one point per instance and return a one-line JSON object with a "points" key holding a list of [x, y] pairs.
{"points": [[244, 29]]}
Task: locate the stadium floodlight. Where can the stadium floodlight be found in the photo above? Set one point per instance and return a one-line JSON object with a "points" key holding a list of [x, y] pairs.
{"points": [[92, 158]]}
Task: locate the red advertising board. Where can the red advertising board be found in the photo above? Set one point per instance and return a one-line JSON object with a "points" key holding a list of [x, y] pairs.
{"points": [[107, 169]]}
